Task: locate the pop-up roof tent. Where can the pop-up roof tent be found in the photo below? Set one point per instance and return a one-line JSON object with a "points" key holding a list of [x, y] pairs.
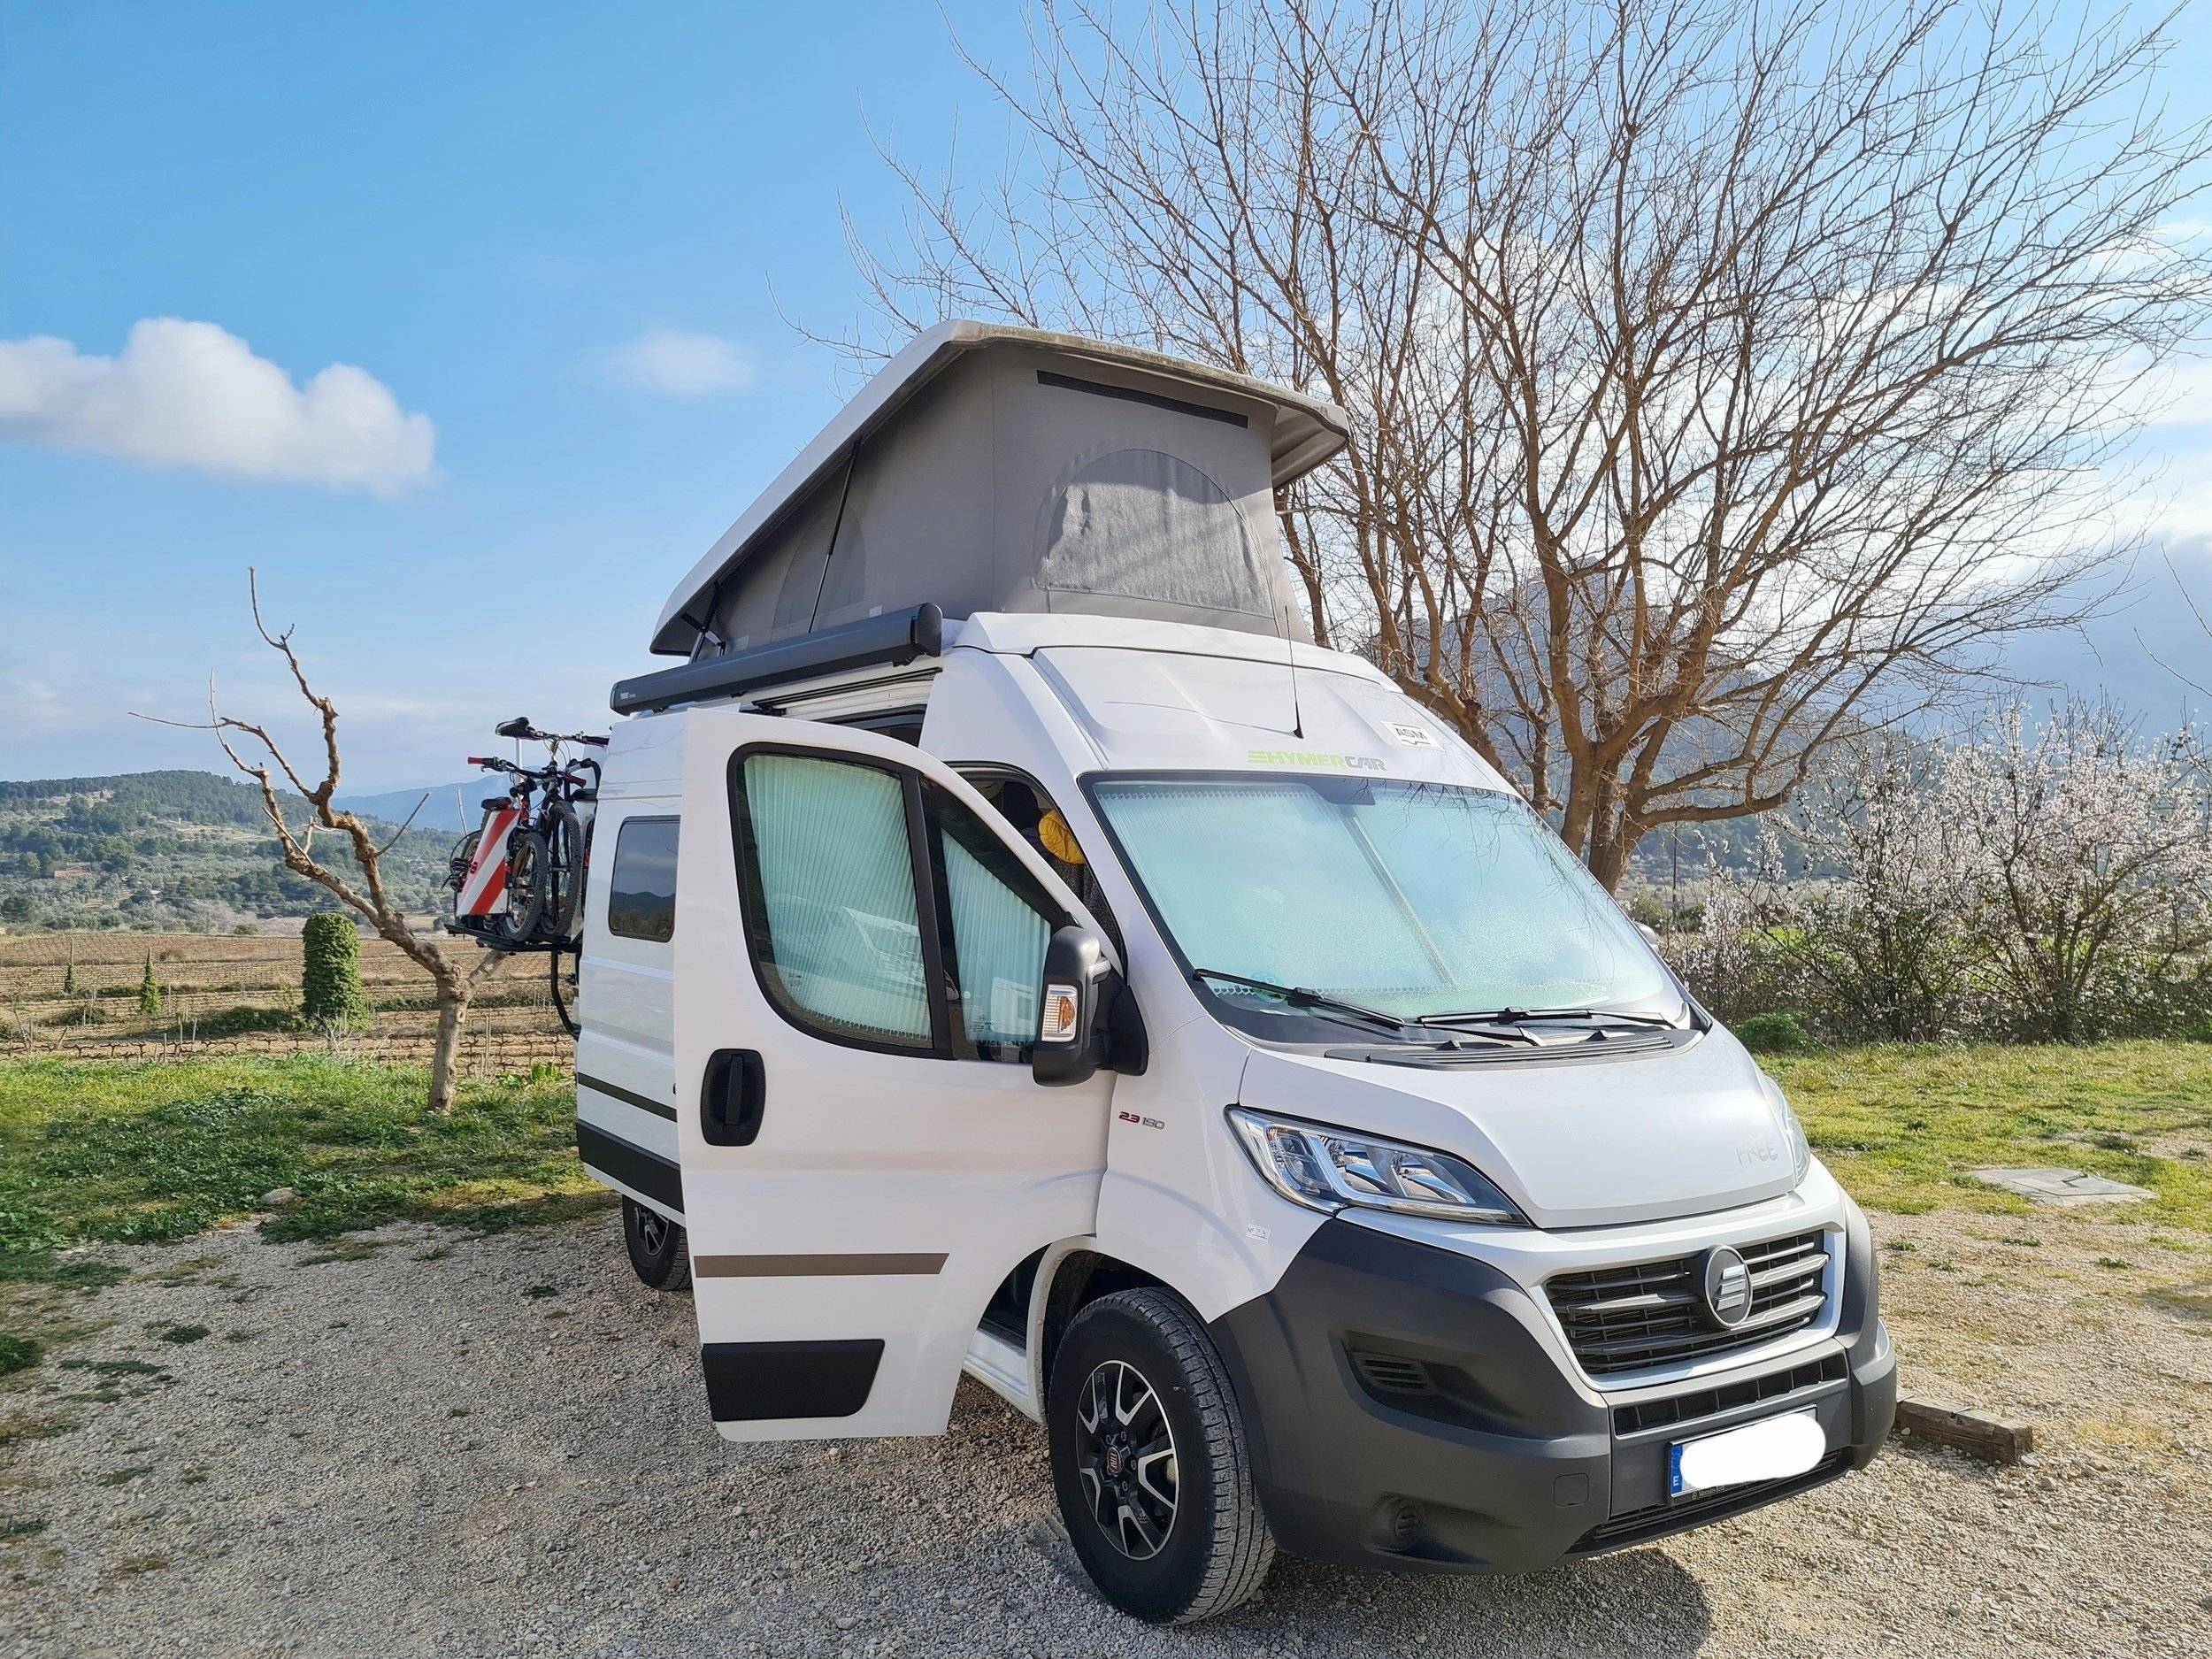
{"points": [[990, 468]]}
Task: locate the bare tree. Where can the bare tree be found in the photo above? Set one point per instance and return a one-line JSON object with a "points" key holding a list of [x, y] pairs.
{"points": [[2203, 619], [1729, 377], [456, 975]]}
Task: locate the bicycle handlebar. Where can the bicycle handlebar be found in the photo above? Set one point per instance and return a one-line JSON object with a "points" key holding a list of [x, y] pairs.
{"points": [[519, 728]]}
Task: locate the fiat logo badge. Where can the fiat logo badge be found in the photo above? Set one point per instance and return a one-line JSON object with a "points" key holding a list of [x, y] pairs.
{"points": [[1726, 1289]]}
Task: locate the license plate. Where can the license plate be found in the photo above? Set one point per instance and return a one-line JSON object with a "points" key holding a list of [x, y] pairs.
{"points": [[1773, 1449]]}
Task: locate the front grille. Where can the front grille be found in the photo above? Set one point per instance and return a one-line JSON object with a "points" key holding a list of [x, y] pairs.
{"points": [[1632, 1318], [1705, 1402], [1657, 1519]]}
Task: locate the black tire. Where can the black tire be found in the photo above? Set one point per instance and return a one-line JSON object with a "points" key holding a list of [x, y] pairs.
{"points": [[564, 834], [1207, 1548], [528, 874], [660, 1254]]}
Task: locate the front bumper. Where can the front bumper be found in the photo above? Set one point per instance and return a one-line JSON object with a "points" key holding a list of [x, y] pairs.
{"points": [[1407, 1408]]}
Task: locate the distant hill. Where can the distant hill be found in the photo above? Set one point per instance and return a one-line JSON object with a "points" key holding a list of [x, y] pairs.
{"points": [[451, 807], [171, 850]]}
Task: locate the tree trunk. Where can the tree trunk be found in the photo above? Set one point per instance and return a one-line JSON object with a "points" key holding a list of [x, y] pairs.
{"points": [[453, 1007]]}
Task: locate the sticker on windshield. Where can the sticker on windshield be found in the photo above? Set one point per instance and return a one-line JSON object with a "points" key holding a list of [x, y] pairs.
{"points": [[1303, 758], [1411, 735]]}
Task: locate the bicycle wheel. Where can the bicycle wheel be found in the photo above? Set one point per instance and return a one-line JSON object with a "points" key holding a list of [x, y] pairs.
{"points": [[457, 866], [563, 834], [529, 866]]}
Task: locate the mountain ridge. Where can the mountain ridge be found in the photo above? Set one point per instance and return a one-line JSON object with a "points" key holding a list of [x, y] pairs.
{"points": [[178, 848]]}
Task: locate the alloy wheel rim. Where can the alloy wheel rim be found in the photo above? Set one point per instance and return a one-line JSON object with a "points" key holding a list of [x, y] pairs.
{"points": [[1125, 1459], [652, 1231]]}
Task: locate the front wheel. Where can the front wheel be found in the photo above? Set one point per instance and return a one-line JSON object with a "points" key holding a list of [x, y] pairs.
{"points": [[1149, 1461]]}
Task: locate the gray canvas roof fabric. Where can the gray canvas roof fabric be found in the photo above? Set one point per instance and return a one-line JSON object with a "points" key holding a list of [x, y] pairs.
{"points": [[998, 468]]}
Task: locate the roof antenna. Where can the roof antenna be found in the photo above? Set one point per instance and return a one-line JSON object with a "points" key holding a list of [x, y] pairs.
{"points": [[1290, 649]]}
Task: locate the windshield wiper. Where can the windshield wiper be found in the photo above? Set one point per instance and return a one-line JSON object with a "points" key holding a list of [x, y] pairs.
{"points": [[1530, 1016], [1298, 996]]}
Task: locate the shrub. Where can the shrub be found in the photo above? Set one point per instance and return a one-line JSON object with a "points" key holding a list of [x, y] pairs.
{"points": [[2097, 868], [1731, 965], [150, 991], [1773, 1033], [331, 995], [239, 1022], [2049, 882]]}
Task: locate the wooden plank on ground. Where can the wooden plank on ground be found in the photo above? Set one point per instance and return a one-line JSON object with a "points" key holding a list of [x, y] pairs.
{"points": [[1949, 1425]]}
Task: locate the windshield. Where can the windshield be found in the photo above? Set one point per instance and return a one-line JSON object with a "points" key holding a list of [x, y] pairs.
{"points": [[1412, 899]]}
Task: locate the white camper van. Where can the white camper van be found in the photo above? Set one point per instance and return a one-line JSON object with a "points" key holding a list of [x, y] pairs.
{"points": [[1011, 950]]}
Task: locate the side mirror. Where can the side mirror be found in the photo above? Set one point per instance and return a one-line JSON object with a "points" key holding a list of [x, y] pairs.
{"points": [[1074, 1023], [1651, 934]]}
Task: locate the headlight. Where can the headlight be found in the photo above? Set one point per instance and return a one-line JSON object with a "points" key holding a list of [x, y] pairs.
{"points": [[1326, 1169]]}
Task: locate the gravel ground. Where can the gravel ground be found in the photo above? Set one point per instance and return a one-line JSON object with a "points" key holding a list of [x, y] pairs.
{"points": [[428, 1443]]}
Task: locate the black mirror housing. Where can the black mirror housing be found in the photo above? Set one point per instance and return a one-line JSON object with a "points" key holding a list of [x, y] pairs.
{"points": [[1076, 1007]]}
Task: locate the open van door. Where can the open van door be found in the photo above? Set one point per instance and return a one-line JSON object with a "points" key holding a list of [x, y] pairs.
{"points": [[858, 944]]}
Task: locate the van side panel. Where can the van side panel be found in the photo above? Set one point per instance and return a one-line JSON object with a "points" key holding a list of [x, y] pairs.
{"points": [[625, 1063], [625, 1076]]}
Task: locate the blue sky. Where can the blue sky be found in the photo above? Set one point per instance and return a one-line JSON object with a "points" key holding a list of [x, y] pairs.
{"points": [[478, 205], [546, 236]]}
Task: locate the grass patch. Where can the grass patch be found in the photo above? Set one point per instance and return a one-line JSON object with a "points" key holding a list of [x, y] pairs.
{"points": [[115, 1367], [43, 1267], [185, 1333], [18, 1353], [151, 1151], [1902, 1125], [17, 1429]]}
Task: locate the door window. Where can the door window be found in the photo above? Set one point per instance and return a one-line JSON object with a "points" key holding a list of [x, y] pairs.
{"points": [[641, 891], [999, 920], [828, 864], [883, 912]]}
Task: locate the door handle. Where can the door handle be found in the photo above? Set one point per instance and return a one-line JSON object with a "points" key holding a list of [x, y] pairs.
{"points": [[732, 1096]]}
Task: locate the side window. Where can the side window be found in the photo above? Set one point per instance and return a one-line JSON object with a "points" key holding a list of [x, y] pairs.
{"points": [[829, 873], [1032, 814], [641, 890], [999, 920]]}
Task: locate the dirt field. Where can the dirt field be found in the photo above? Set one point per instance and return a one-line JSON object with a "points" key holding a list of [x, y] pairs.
{"points": [[225, 992], [434, 1444]]}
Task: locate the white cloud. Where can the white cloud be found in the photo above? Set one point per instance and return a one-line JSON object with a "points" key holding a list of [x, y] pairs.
{"points": [[674, 363], [186, 393]]}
